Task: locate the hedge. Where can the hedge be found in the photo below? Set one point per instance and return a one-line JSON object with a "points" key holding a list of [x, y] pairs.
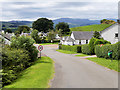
{"points": [[102, 51], [76, 48], [13, 62], [86, 49]]}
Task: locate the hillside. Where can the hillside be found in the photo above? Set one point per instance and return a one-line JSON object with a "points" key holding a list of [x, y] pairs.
{"points": [[95, 27], [76, 22]]}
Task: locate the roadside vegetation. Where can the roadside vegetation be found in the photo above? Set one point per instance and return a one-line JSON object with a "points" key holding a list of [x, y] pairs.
{"points": [[81, 55], [66, 52], [36, 76], [95, 27], [106, 63]]}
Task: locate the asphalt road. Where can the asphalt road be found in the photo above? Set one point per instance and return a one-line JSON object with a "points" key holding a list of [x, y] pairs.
{"points": [[75, 72]]}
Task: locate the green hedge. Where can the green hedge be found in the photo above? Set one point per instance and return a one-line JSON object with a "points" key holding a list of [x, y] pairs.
{"points": [[86, 49], [76, 48], [102, 51], [13, 62]]}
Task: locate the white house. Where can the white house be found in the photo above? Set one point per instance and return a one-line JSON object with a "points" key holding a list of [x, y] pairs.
{"points": [[111, 33], [77, 38]]}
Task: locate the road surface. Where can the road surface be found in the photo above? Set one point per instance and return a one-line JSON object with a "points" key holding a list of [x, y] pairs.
{"points": [[76, 72]]}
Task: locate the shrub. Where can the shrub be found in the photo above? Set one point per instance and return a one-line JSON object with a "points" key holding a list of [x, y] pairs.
{"points": [[13, 62], [92, 46], [76, 48], [27, 44], [102, 51], [85, 49], [101, 41]]}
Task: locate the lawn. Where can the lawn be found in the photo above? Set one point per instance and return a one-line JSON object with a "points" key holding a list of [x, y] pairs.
{"points": [[81, 55], [106, 63], [95, 27], [66, 52], [47, 43], [36, 76]]}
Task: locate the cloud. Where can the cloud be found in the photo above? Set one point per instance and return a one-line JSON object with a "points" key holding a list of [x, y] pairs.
{"points": [[34, 10]]}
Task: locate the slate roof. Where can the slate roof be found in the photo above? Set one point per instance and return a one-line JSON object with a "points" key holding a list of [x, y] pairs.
{"points": [[80, 35], [109, 27], [7, 36]]}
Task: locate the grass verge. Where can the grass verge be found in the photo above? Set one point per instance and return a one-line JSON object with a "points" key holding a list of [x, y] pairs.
{"points": [[81, 55], [36, 76], [106, 63], [66, 52], [47, 43]]}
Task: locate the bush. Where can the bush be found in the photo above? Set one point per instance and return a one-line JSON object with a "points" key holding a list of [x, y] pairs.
{"points": [[27, 44], [76, 48], [13, 62], [102, 51], [85, 49], [91, 46], [101, 41]]}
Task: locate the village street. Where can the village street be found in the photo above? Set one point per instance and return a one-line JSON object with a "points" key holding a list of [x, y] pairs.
{"points": [[76, 72]]}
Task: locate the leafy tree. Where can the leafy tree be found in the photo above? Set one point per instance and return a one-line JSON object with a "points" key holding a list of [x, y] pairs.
{"points": [[103, 20], [43, 24], [96, 35], [51, 35], [27, 44], [35, 36], [64, 27], [24, 28], [8, 30]]}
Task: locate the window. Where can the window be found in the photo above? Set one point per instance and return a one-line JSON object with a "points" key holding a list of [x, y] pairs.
{"points": [[116, 35], [86, 41], [80, 42]]}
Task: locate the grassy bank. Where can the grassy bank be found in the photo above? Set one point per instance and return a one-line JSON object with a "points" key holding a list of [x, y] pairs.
{"points": [[95, 27], [66, 52], [81, 55], [36, 76], [106, 63]]}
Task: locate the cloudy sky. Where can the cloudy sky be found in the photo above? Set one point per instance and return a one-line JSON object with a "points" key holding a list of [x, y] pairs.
{"points": [[32, 10]]}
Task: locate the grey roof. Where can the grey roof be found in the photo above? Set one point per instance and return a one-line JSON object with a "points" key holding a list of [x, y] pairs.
{"points": [[6, 36], [69, 39], [80, 35], [109, 27]]}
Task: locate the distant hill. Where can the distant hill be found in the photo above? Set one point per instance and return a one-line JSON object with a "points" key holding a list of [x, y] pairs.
{"points": [[76, 22], [71, 21], [95, 27]]}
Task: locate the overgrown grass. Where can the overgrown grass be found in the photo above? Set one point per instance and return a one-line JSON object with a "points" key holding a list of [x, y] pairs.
{"points": [[36, 76], [66, 52], [81, 55], [106, 63], [95, 27]]}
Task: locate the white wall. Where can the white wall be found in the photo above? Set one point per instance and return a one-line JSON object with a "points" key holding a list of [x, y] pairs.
{"points": [[76, 42], [72, 36], [109, 34]]}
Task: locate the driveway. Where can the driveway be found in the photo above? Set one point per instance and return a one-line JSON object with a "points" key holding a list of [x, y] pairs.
{"points": [[76, 72]]}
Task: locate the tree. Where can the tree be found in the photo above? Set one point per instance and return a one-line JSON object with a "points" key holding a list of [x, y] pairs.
{"points": [[8, 30], [63, 27], [26, 44], [24, 28], [43, 24], [96, 35], [51, 35], [35, 36]]}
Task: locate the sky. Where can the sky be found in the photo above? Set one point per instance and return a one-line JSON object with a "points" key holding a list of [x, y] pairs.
{"points": [[34, 9]]}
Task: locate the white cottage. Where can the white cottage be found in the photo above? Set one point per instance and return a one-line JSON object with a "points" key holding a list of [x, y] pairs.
{"points": [[111, 33], [81, 37], [77, 38]]}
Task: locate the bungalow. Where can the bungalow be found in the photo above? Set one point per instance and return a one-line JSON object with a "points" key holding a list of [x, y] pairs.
{"points": [[77, 38]]}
